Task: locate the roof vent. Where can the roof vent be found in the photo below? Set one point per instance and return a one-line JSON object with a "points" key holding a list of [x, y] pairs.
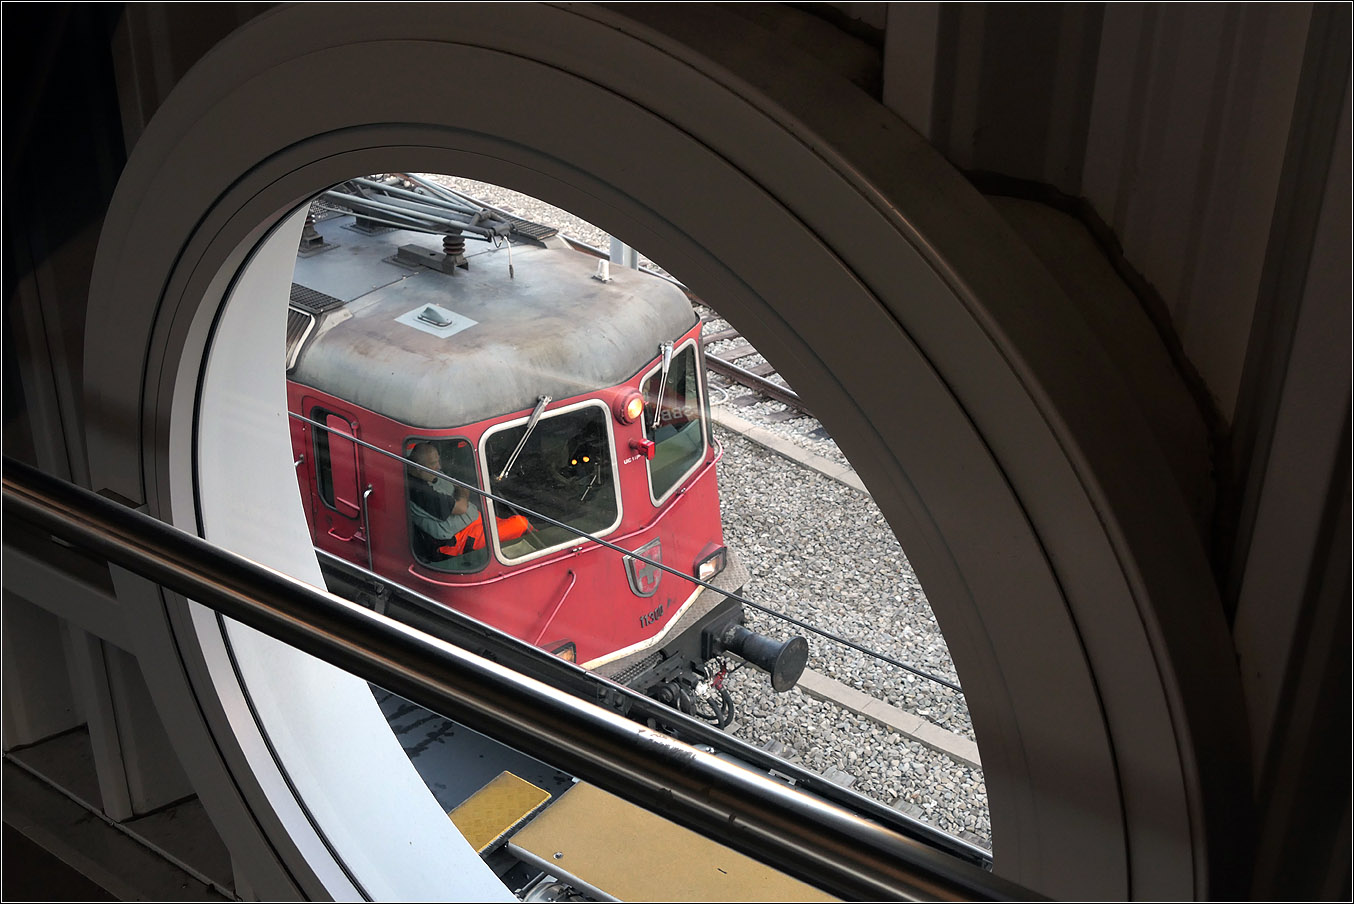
{"points": [[432, 315], [436, 320]]}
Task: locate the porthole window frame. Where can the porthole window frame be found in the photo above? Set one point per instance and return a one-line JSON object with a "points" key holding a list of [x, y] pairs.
{"points": [[1042, 510]]}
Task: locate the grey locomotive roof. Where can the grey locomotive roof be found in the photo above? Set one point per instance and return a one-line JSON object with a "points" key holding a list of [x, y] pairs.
{"points": [[495, 344]]}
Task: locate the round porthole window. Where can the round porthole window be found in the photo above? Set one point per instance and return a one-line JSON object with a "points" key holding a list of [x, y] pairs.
{"points": [[973, 402]]}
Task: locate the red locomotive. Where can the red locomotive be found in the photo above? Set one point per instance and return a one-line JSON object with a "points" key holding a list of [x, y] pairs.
{"points": [[468, 422]]}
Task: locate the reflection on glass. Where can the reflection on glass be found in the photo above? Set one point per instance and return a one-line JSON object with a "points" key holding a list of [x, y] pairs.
{"points": [[470, 415], [474, 405], [563, 471], [679, 437], [446, 532]]}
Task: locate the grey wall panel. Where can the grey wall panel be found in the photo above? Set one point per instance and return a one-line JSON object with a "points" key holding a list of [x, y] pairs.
{"points": [[1186, 144], [37, 691]]}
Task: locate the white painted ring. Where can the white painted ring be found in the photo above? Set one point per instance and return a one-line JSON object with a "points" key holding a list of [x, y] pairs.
{"points": [[992, 431]]}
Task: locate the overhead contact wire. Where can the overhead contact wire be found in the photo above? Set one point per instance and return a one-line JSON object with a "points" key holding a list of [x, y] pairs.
{"points": [[588, 538]]}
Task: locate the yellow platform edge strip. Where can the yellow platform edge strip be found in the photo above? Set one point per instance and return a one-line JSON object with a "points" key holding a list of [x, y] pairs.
{"points": [[494, 810], [630, 854]]}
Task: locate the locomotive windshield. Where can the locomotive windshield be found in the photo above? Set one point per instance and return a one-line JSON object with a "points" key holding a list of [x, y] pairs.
{"points": [[679, 438], [564, 471], [446, 529]]}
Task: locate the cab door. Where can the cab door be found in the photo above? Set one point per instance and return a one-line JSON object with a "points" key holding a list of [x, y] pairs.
{"points": [[339, 492]]}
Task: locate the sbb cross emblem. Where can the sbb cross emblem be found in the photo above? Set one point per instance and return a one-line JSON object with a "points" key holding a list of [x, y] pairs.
{"points": [[644, 577]]}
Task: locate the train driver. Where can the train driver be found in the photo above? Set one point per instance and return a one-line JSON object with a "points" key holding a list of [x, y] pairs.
{"points": [[442, 512]]}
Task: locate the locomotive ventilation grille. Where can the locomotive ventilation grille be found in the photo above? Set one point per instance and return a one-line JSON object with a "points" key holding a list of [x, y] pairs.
{"points": [[634, 670], [313, 302], [527, 229], [306, 305]]}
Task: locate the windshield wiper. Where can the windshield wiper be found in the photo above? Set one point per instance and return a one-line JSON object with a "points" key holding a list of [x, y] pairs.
{"points": [[531, 425], [666, 349]]}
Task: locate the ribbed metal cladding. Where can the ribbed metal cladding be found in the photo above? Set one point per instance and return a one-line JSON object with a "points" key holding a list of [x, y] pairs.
{"points": [[807, 838], [299, 325], [306, 306], [313, 302], [648, 662]]}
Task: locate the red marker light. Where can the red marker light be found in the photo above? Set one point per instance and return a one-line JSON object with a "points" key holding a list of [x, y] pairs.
{"points": [[644, 447]]}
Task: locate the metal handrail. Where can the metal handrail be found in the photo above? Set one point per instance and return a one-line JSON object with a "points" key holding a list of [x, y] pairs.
{"points": [[428, 615], [814, 841]]}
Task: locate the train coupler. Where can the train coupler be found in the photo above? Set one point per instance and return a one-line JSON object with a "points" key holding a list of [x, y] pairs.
{"points": [[784, 661]]}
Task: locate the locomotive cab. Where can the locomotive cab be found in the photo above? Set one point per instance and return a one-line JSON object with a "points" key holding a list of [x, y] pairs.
{"points": [[446, 531], [508, 436]]}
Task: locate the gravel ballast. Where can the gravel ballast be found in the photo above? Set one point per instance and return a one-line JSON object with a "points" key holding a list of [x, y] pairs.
{"points": [[823, 554]]}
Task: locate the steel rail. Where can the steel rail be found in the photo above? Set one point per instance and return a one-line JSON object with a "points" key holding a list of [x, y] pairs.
{"points": [[768, 388], [724, 366], [809, 839]]}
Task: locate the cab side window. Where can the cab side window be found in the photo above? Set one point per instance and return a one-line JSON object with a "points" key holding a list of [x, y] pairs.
{"points": [[446, 525], [336, 463], [679, 434]]}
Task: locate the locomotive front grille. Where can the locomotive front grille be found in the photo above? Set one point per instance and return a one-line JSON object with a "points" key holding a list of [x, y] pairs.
{"points": [[634, 670], [305, 308]]}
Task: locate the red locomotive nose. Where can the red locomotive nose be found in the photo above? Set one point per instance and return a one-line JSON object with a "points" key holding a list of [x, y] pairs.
{"points": [[644, 447]]}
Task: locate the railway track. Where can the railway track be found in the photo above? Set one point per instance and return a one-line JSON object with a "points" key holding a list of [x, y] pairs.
{"points": [[756, 377]]}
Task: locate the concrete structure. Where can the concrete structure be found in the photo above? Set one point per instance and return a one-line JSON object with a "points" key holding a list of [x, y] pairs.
{"points": [[1087, 344]]}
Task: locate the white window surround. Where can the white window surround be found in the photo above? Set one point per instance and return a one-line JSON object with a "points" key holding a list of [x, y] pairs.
{"points": [[1035, 507], [324, 726], [490, 477], [704, 423]]}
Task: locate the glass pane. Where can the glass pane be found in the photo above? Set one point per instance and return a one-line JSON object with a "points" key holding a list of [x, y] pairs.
{"points": [[443, 356], [563, 471], [324, 467], [446, 530], [679, 438], [343, 457]]}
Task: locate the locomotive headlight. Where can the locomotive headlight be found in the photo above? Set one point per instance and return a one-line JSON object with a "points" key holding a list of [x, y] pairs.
{"points": [[629, 407], [566, 651], [711, 563]]}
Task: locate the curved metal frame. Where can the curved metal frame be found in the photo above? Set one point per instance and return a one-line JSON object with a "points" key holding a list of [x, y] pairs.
{"points": [[1042, 520]]}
